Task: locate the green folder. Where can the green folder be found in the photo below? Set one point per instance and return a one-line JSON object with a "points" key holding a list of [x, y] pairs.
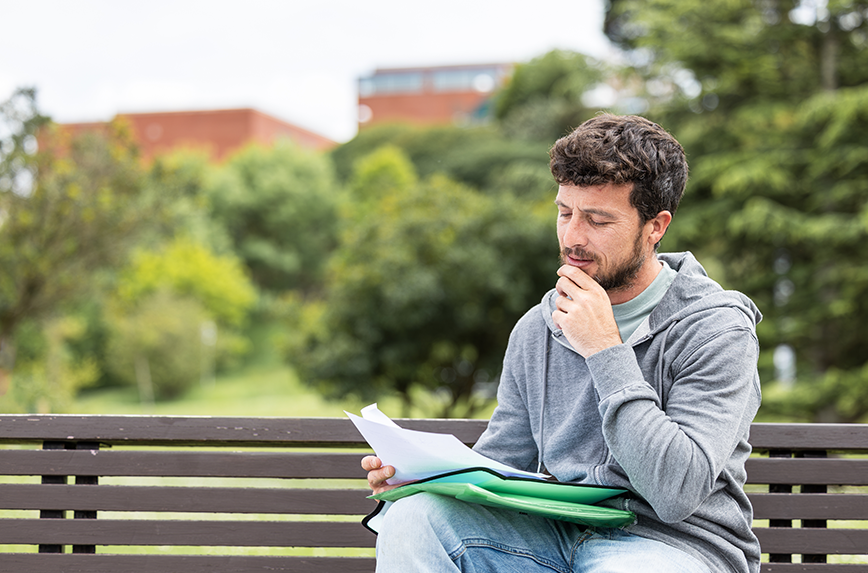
{"points": [[555, 500]]}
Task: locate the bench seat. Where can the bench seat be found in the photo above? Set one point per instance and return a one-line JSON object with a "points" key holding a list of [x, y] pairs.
{"points": [[195, 494]]}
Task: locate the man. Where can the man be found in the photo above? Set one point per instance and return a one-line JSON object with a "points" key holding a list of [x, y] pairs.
{"points": [[635, 371]]}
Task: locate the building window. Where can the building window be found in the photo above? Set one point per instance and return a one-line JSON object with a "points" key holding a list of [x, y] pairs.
{"points": [[391, 83], [463, 80]]}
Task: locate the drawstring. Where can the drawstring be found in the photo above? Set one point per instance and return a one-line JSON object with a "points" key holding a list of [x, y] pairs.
{"points": [[542, 407]]}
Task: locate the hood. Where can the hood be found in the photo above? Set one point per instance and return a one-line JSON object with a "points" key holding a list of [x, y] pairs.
{"points": [[691, 292]]}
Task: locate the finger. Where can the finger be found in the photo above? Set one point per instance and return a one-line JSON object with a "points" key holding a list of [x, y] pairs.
{"points": [[563, 306], [385, 488], [371, 463], [568, 290], [377, 478], [581, 279], [556, 315]]}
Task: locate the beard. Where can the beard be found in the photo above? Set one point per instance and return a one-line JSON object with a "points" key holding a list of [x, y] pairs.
{"points": [[622, 275]]}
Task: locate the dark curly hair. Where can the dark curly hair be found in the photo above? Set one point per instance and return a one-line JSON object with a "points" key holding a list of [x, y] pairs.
{"points": [[620, 150]]}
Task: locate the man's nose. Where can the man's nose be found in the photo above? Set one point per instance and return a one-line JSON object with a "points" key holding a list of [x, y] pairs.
{"points": [[576, 233]]}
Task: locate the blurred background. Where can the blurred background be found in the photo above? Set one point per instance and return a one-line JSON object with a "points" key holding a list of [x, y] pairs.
{"points": [[286, 209]]}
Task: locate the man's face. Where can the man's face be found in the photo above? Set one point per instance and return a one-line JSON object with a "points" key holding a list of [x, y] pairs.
{"points": [[599, 231]]}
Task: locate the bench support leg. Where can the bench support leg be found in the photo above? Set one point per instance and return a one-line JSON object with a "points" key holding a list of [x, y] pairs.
{"points": [[52, 513], [62, 480], [85, 514], [821, 523], [780, 488]]}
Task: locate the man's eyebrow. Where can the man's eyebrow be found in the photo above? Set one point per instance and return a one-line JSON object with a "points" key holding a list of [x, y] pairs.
{"points": [[589, 211]]}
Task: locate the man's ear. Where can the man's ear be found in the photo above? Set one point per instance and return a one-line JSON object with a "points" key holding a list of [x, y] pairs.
{"points": [[657, 226]]}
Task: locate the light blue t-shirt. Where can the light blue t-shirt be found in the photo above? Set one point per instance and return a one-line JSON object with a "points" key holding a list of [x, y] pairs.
{"points": [[630, 314]]}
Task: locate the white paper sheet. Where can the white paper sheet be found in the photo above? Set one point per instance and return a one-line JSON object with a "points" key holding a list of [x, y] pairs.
{"points": [[417, 455]]}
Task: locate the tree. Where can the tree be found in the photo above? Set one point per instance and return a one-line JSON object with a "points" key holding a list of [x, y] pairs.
{"points": [[544, 98], [68, 208], [175, 313], [187, 176], [157, 346], [219, 283], [475, 156], [49, 379], [770, 100], [424, 288], [278, 206]]}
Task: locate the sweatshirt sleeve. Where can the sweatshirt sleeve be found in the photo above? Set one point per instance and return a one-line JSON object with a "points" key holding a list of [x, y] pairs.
{"points": [[673, 458]]}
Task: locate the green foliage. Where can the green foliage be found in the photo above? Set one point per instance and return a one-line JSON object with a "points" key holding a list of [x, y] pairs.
{"points": [[70, 209], [424, 290], [543, 99], [158, 346], [385, 172], [278, 206], [20, 122], [770, 101], [186, 176], [165, 305], [473, 156], [81, 213], [49, 379], [741, 49], [219, 283]]}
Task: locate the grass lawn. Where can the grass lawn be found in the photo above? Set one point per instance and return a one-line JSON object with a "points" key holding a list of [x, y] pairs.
{"points": [[256, 391], [266, 386]]}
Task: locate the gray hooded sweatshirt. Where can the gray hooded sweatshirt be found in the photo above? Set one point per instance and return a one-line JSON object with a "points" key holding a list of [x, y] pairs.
{"points": [[665, 415]]}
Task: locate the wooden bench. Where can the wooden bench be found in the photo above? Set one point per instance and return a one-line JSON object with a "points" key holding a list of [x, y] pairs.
{"points": [[158, 494]]}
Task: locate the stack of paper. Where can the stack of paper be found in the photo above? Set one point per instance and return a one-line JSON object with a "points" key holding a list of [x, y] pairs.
{"points": [[441, 464]]}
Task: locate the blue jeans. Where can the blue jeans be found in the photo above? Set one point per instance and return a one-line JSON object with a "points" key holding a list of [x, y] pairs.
{"points": [[431, 533]]}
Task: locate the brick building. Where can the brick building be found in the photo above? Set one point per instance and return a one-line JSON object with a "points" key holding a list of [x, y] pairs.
{"points": [[430, 95], [220, 132]]}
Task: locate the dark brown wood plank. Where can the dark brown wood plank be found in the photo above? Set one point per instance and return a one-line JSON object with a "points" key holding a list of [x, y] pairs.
{"points": [[186, 499], [809, 506], [183, 532], [809, 436], [812, 540], [101, 563], [179, 430], [831, 471], [812, 568], [182, 464]]}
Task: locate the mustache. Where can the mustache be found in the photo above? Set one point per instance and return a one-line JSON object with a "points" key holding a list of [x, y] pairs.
{"points": [[578, 253]]}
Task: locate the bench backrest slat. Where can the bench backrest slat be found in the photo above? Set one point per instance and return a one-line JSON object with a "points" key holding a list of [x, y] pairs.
{"points": [[180, 431], [814, 506], [853, 437], [101, 563], [124, 532], [813, 540], [185, 499], [807, 471], [182, 464], [206, 431]]}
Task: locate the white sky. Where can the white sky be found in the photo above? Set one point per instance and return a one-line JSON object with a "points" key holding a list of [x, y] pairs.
{"points": [[296, 60]]}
